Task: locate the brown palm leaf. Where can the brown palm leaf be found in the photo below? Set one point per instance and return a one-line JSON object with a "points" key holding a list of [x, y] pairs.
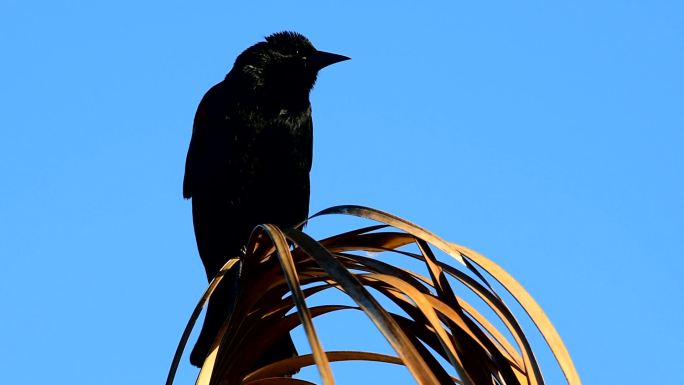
{"points": [[439, 332]]}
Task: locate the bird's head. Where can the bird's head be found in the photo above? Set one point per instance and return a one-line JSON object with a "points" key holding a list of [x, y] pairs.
{"points": [[286, 62]]}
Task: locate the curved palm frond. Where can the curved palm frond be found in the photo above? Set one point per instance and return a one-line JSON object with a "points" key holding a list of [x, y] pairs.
{"points": [[439, 332]]}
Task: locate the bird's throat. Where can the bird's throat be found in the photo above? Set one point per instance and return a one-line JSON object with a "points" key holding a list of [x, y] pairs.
{"points": [[282, 103]]}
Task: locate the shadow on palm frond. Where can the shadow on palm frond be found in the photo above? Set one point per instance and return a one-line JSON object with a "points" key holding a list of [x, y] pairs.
{"points": [[438, 333]]}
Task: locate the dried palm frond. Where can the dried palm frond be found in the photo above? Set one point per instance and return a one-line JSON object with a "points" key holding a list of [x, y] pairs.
{"points": [[436, 333]]}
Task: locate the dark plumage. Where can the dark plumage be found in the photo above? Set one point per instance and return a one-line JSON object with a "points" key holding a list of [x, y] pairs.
{"points": [[252, 132]]}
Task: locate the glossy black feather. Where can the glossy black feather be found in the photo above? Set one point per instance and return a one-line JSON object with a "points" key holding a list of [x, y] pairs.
{"points": [[249, 160]]}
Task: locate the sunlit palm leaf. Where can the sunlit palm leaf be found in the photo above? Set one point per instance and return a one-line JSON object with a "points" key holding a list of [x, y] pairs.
{"points": [[436, 320]]}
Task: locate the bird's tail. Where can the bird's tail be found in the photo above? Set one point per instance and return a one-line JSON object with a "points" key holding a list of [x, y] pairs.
{"points": [[220, 307]]}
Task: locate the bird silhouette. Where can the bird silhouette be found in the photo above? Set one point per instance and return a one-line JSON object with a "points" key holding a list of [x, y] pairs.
{"points": [[252, 132]]}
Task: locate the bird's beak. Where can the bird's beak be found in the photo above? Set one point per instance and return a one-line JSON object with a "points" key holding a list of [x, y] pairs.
{"points": [[322, 59]]}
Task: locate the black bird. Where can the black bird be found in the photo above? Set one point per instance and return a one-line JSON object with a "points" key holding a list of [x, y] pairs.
{"points": [[252, 132]]}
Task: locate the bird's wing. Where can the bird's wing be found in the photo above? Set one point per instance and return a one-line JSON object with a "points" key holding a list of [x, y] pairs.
{"points": [[207, 118], [309, 145], [214, 177], [192, 150]]}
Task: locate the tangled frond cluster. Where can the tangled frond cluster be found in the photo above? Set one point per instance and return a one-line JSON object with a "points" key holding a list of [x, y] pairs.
{"points": [[436, 321]]}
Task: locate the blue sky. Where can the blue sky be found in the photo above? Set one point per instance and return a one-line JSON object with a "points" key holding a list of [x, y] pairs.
{"points": [[547, 136]]}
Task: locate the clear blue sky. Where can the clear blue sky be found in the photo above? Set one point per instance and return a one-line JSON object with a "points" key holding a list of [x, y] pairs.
{"points": [[547, 136]]}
